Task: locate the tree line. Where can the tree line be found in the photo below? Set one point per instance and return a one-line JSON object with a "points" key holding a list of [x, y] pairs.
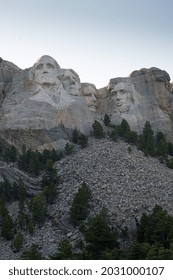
{"points": [[100, 240], [152, 144]]}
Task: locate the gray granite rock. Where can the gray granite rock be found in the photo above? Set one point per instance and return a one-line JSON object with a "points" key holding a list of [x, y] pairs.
{"points": [[145, 95], [38, 112], [127, 184]]}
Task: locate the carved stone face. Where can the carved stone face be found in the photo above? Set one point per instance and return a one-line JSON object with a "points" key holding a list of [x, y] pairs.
{"points": [[71, 81], [89, 93], [121, 96], [46, 71]]}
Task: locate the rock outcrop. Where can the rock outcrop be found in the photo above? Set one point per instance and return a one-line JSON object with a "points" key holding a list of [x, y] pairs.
{"points": [[145, 95], [11, 172], [39, 112], [42, 105], [7, 71], [156, 98], [127, 184]]}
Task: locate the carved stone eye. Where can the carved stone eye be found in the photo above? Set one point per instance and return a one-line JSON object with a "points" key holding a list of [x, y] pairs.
{"points": [[114, 92], [123, 91], [49, 65], [39, 67]]}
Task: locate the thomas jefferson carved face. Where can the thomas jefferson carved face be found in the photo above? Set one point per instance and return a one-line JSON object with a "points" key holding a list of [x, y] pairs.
{"points": [[46, 71], [70, 81], [121, 96], [89, 93]]}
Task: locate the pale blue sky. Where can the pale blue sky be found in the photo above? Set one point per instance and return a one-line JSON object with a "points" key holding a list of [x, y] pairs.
{"points": [[99, 39]]}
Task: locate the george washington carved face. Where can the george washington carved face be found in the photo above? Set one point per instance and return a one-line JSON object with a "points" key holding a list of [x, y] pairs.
{"points": [[46, 71]]}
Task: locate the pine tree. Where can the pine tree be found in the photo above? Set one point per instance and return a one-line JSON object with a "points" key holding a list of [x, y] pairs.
{"points": [[34, 163], [38, 207], [80, 204], [17, 243], [7, 227], [69, 148], [98, 131], [75, 136], [83, 140], [64, 251], [146, 140], [125, 129], [33, 253], [161, 144], [50, 193], [21, 194], [50, 176], [99, 237], [170, 148], [107, 120], [114, 134], [156, 228]]}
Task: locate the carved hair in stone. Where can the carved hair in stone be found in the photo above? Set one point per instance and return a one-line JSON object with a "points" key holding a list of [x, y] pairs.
{"points": [[90, 93], [71, 81]]}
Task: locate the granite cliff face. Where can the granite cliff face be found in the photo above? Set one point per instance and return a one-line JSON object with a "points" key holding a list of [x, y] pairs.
{"points": [[42, 105], [39, 112], [145, 95], [7, 71]]}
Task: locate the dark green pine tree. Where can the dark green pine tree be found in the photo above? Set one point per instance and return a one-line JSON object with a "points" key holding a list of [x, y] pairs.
{"points": [[83, 140], [64, 251], [34, 163], [50, 192], [156, 228], [98, 131], [7, 227], [107, 120], [125, 129], [21, 194], [50, 176], [75, 136], [161, 144], [80, 205], [33, 253], [146, 140], [99, 237], [170, 148], [10, 154], [38, 208]]}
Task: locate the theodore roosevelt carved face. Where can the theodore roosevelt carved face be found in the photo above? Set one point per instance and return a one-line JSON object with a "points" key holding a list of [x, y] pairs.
{"points": [[89, 92]]}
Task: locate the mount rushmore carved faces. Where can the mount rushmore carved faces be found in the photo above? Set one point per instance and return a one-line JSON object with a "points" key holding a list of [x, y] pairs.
{"points": [[122, 96], [89, 92], [71, 81], [45, 74], [46, 71]]}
